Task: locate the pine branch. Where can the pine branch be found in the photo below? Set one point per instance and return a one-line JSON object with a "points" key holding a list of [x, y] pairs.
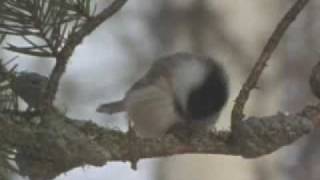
{"points": [[46, 20], [61, 25], [8, 99], [82, 7], [74, 39]]}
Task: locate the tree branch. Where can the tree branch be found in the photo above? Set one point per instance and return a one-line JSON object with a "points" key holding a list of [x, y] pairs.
{"points": [[51, 21], [75, 38], [57, 144], [251, 82]]}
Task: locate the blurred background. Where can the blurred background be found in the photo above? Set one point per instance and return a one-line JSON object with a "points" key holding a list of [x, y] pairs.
{"points": [[234, 32]]}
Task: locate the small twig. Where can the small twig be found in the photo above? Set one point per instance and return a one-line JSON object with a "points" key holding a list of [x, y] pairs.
{"points": [[251, 82]]}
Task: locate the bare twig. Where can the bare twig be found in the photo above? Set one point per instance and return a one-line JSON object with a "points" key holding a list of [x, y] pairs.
{"points": [[251, 82]]}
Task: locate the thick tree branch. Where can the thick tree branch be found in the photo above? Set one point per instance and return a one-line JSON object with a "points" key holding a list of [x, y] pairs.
{"points": [[57, 144], [251, 82]]}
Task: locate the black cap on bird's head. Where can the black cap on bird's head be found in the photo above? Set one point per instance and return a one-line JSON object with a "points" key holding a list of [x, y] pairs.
{"points": [[208, 98], [201, 88]]}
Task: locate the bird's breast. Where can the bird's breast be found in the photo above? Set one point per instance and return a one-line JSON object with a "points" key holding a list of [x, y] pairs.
{"points": [[151, 109]]}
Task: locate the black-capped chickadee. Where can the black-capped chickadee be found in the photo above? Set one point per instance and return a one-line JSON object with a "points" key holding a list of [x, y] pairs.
{"points": [[180, 88]]}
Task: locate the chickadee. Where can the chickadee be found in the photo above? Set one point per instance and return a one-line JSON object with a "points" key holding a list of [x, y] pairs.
{"points": [[180, 88]]}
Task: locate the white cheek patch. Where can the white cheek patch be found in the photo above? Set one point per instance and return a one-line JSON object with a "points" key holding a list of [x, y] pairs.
{"points": [[187, 76]]}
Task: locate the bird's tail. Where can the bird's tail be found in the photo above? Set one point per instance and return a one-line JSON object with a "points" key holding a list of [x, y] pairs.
{"points": [[111, 108]]}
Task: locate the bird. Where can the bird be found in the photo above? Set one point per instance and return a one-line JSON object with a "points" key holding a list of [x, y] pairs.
{"points": [[180, 88]]}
